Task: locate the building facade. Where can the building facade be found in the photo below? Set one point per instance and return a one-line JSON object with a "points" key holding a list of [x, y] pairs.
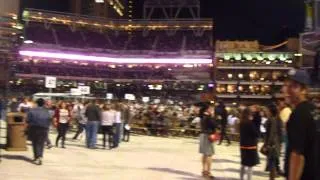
{"points": [[245, 74]]}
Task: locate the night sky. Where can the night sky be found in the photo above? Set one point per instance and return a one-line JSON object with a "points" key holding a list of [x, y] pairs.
{"points": [[269, 21]]}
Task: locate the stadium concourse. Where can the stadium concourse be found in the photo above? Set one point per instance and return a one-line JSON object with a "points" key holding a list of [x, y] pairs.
{"points": [[144, 157]]}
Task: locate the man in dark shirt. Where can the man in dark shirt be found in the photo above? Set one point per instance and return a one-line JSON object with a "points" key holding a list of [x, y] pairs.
{"points": [[222, 114], [256, 118], [301, 161], [38, 124], [94, 118]]}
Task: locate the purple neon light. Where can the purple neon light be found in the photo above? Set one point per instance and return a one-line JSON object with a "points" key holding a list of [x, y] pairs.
{"points": [[80, 57]]}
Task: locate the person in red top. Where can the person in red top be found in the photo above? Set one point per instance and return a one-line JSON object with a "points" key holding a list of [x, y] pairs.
{"points": [[61, 121]]}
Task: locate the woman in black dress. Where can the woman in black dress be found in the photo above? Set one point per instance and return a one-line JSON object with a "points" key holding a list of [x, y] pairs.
{"points": [[248, 144]]}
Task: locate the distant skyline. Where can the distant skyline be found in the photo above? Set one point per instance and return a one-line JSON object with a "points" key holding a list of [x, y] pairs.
{"points": [[270, 21]]}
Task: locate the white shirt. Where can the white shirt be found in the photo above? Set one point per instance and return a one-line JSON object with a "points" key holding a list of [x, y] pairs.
{"points": [[24, 106], [64, 116], [232, 120], [107, 118], [117, 117], [263, 123], [196, 120]]}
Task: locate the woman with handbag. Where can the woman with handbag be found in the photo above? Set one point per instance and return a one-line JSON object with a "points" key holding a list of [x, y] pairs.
{"points": [[248, 144], [208, 128], [273, 140]]}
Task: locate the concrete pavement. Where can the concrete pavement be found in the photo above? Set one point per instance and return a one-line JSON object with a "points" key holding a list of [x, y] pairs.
{"points": [[143, 158]]}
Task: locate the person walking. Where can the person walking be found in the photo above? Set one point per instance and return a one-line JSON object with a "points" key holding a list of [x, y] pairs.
{"points": [[273, 141], [302, 155], [107, 120], [79, 115], [126, 122], [222, 114], [248, 144], [93, 115], [284, 115], [117, 124], [38, 121], [62, 119], [208, 127], [51, 108]]}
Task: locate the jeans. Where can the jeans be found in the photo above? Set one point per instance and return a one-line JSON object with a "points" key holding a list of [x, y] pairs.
{"points": [[81, 127], [121, 132], [62, 132], [91, 133], [38, 136], [116, 137]]}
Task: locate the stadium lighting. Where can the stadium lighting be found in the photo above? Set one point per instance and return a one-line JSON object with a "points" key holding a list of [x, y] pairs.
{"points": [[79, 57], [28, 41], [188, 66]]}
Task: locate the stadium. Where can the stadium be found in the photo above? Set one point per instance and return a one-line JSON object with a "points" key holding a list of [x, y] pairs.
{"points": [[158, 58], [138, 89]]}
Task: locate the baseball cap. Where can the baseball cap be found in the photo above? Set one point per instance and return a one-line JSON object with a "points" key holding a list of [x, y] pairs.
{"points": [[299, 76]]}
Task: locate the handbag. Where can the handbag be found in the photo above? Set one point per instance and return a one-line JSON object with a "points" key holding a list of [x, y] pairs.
{"points": [[214, 137]]}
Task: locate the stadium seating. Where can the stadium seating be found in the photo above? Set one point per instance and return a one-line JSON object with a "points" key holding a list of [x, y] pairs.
{"points": [[77, 37]]}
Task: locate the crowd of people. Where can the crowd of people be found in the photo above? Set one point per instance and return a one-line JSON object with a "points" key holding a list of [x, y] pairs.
{"points": [[109, 119], [289, 123], [292, 123]]}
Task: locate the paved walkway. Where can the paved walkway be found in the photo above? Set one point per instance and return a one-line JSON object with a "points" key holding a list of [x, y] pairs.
{"points": [[143, 158]]}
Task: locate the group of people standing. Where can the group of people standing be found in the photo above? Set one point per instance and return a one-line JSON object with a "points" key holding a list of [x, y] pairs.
{"points": [[91, 117], [293, 122]]}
